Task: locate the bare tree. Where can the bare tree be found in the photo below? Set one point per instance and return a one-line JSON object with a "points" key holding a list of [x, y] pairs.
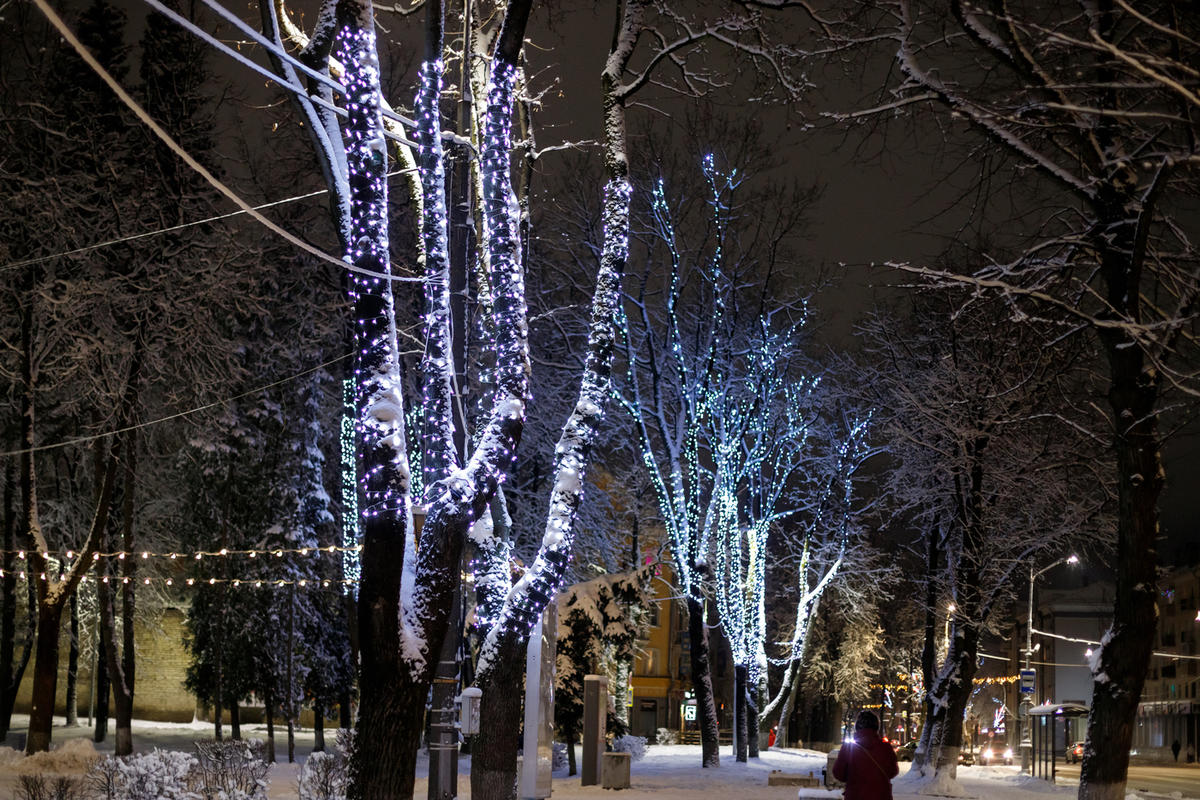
{"points": [[1091, 109], [983, 462]]}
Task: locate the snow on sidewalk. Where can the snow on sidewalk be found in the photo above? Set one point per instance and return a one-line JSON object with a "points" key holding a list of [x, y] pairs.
{"points": [[668, 772]]}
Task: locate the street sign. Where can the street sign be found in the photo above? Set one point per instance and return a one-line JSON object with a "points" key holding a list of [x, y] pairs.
{"points": [[1028, 679]]}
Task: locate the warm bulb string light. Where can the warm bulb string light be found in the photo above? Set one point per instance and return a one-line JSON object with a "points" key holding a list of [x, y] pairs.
{"points": [[255, 583], [196, 555], [997, 680]]}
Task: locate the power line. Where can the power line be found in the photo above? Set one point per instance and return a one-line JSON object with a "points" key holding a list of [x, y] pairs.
{"points": [[160, 231], [134, 237], [85, 439], [179, 150]]}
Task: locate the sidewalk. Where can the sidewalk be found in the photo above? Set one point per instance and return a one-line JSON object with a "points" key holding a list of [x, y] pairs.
{"points": [[670, 772]]}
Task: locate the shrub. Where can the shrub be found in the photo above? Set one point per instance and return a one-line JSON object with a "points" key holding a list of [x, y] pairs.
{"points": [[323, 777], [158, 775], [634, 745], [233, 770], [666, 736], [41, 787]]}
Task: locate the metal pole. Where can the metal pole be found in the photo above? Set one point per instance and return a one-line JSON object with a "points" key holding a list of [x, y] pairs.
{"points": [[1023, 720]]}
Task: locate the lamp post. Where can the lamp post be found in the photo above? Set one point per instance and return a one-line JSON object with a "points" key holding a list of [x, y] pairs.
{"points": [[1027, 695]]}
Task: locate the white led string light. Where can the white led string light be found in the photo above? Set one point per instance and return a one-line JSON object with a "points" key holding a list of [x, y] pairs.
{"points": [[351, 563], [437, 367], [379, 398]]}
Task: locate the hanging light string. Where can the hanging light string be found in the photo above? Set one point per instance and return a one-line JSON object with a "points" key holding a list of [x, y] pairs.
{"points": [[198, 555], [256, 583], [85, 439]]}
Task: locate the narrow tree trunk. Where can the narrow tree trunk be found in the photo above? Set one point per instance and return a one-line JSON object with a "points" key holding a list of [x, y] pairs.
{"points": [[752, 730], [706, 705], [290, 702], [741, 729], [235, 721], [114, 665], [494, 752], [929, 647], [345, 718], [270, 709], [10, 672], [791, 685], [45, 674], [219, 701], [125, 676], [102, 691], [72, 699], [620, 695], [318, 728], [291, 739], [572, 767]]}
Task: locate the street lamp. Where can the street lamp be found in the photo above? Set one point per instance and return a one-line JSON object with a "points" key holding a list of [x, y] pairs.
{"points": [[1026, 697]]}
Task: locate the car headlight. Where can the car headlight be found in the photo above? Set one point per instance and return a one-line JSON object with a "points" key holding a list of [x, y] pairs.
{"points": [[987, 752], [1008, 753]]}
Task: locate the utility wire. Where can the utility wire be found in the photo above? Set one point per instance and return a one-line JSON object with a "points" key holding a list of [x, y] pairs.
{"points": [[85, 439], [140, 112], [159, 231]]}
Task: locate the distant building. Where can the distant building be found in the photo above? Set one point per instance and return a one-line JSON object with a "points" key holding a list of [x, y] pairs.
{"points": [[1170, 707], [1074, 617], [661, 681]]}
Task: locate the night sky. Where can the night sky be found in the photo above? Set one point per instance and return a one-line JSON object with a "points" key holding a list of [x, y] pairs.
{"points": [[880, 202]]}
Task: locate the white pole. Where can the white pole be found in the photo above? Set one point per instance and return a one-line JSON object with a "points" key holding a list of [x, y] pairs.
{"points": [[533, 681]]}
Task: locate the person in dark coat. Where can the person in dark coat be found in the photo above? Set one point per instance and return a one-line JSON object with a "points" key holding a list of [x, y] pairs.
{"points": [[867, 764], [1175, 748]]}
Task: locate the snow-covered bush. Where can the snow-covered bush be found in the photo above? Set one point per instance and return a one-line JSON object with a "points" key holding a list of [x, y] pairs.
{"points": [[666, 736], [103, 779], [323, 777], [231, 770], [634, 745], [326, 776], [158, 775]]}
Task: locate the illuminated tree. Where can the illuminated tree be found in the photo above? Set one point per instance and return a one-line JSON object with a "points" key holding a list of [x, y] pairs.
{"points": [[822, 531], [705, 388]]}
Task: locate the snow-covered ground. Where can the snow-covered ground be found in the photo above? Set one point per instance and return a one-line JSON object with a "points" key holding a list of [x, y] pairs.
{"points": [[667, 772]]}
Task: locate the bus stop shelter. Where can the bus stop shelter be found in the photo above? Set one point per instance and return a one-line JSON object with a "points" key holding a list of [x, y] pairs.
{"points": [[1051, 725]]}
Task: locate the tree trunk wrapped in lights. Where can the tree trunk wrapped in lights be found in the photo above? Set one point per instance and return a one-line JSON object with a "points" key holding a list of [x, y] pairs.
{"points": [[406, 585]]}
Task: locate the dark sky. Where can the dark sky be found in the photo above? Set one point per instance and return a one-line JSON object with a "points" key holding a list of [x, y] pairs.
{"points": [[876, 203]]}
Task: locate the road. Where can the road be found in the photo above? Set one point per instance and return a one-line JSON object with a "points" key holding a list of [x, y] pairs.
{"points": [[1160, 778]]}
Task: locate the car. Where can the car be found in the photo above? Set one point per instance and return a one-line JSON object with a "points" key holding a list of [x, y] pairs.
{"points": [[905, 751], [995, 753], [1075, 753], [966, 757]]}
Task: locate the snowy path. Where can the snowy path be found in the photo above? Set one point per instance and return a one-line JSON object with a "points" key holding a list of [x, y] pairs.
{"points": [[666, 773]]}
